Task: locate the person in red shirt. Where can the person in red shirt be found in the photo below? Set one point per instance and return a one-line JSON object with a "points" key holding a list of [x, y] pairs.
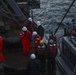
{"points": [[51, 54], [25, 36], [37, 39], [30, 24], [41, 54], [1, 46]]}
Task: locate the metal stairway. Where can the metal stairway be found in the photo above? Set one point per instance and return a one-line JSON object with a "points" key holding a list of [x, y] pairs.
{"points": [[15, 8]]}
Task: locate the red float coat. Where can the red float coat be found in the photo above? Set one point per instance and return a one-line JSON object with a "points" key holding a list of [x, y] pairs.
{"points": [[26, 37], [36, 41], [1, 45], [30, 25]]}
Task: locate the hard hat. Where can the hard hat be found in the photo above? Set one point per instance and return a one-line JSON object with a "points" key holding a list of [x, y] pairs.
{"points": [[38, 23], [30, 19], [24, 28], [34, 33], [33, 56], [51, 42], [41, 42]]}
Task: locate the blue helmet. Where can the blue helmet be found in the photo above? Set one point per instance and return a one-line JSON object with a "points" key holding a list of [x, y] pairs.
{"points": [[51, 41]]}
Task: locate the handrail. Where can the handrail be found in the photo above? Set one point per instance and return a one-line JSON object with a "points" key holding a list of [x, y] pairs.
{"points": [[64, 17]]}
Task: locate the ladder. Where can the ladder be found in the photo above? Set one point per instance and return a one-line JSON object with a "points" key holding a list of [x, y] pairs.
{"points": [[15, 8]]}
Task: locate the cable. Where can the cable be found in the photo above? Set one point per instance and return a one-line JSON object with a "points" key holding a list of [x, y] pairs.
{"points": [[64, 16]]}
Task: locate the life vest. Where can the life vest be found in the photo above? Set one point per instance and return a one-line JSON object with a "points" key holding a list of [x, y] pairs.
{"points": [[27, 36], [38, 36], [41, 50], [37, 40], [52, 49]]}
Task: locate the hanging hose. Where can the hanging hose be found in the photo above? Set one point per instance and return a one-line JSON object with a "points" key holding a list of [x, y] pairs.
{"points": [[64, 17], [31, 13]]}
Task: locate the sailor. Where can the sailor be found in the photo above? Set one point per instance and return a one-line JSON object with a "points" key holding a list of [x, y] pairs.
{"points": [[30, 24], [33, 66], [36, 39], [41, 54], [25, 36], [1, 46], [40, 29], [73, 32], [53, 37], [52, 52]]}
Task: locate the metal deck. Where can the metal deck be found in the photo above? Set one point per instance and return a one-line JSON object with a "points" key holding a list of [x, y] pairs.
{"points": [[18, 61]]}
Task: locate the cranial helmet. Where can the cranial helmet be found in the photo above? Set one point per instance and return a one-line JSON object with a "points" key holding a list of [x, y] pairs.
{"points": [[38, 23], [41, 42], [33, 56], [24, 28], [30, 19], [34, 33]]}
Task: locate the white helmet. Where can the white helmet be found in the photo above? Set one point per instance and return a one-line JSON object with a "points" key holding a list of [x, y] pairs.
{"points": [[38, 23], [24, 28], [34, 33], [30, 19], [33, 56]]}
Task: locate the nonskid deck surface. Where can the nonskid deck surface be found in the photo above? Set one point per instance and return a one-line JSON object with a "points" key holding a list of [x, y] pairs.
{"points": [[18, 60], [15, 58]]}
